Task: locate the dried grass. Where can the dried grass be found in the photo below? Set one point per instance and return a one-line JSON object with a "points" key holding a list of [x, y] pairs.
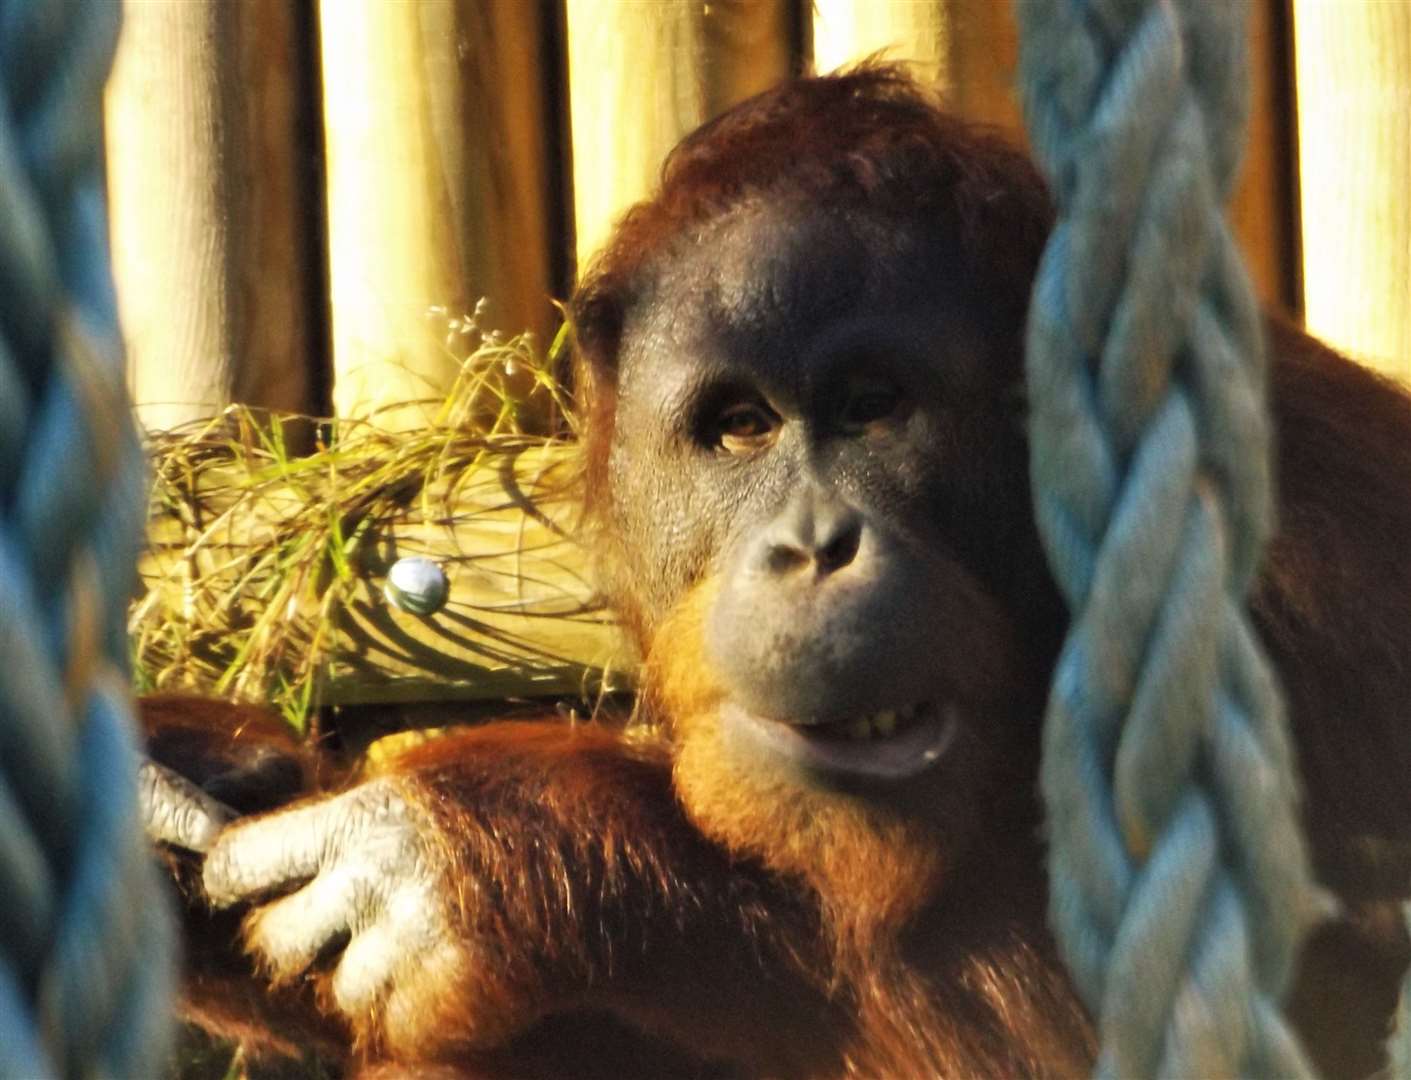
{"points": [[258, 555]]}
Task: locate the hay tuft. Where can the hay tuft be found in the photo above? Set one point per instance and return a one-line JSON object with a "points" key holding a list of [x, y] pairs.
{"points": [[262, 580]]}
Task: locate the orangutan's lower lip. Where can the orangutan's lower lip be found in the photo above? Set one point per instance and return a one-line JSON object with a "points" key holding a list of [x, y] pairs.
{"points": [[890, 744]]}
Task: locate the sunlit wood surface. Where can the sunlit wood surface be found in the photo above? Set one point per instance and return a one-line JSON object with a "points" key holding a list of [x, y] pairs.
{"points": [[206, 218], [438, 188], [1353, 62], [642, 74]]}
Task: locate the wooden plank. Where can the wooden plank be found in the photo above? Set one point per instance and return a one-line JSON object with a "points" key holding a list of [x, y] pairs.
{"points": [[206, 217], [521, 619], [1353, 64], [642, 74], [438, 188]]}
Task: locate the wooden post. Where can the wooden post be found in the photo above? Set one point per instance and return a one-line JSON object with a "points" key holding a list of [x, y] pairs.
{"points": [[644, 73], [1261, 207], [984, 54], [438, 188], [204, 190], [1353, 62], [916, 32], [969, 53]]}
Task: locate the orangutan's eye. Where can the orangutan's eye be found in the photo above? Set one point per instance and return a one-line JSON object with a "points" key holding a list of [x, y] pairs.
{"points": [[870, 402], [744, 427]]}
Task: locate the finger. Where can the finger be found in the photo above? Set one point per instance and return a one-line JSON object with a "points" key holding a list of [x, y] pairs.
{"points": [[411, 936], [411, 932], [176, 811], [276, 852], [269, 853], [365, 971], [289, 934]]}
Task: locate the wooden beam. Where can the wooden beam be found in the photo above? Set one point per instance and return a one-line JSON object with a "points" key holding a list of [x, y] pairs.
{"points": [[969, 52], [1261, 207], [983, 56], [228, 545], [1353, 63], [438, 188], [914, 32], [642, 74], [521, 619], [208, 227]]}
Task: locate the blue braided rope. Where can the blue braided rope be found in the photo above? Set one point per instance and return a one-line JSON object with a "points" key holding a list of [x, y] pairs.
{"points": [[86, 937], [1180, 885]]}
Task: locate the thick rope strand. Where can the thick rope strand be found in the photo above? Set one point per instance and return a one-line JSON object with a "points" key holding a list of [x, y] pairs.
{"points": [[1180, 885], [86, 937]]}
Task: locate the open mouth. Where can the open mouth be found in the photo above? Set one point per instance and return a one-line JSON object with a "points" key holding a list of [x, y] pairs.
{"points": [[883, 724], [889, 744]]}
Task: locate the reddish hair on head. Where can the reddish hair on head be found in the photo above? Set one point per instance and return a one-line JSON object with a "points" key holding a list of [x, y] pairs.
{"points": [[869, 138]]}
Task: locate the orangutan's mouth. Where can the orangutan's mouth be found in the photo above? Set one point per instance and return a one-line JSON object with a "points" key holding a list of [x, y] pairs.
{"points": [[889, 744]]}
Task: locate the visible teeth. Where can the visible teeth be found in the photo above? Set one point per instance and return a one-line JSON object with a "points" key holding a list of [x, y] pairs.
{"points": [[881, 724]]}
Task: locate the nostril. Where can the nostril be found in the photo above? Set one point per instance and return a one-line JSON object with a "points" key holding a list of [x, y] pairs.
{"points": [[784, 559], [813, 534], [841, 549]]}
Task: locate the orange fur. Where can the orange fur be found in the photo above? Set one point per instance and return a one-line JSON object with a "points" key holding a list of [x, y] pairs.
{"points": [[659, 905], [873, 870]]}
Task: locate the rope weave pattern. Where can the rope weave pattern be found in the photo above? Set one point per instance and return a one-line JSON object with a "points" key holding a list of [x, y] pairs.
{"points": [[86, 938], [1180, 885]]}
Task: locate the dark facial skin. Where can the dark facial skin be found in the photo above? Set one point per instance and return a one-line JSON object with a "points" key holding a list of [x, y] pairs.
{"points": [[815, 406]]}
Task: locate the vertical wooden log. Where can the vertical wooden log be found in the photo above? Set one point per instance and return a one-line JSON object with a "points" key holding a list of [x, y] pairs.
{"points": [[1353, 64], [1261, 208], [749, 45], [983, 57], [969, 52], [966, 51], [915, 32], [204, 189], [437, 142], [643, 73]]}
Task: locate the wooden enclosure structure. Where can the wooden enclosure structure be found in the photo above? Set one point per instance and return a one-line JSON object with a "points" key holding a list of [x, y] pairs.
{"points": [[307, 201], [301, 197], [1353, 69]]}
